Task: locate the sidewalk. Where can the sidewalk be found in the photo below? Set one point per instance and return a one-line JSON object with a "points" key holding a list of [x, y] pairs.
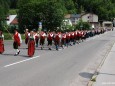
{"points": [[106, 75]]}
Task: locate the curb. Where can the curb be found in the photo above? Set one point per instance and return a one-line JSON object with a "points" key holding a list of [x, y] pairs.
{"points": [[93, 79]]}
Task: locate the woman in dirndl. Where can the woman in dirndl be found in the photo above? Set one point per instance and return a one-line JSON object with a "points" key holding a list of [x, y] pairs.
{"points": [[31, 44], [1, 42]]}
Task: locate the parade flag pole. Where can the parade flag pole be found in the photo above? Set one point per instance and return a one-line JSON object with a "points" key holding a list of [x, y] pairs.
{"points": [[8, 32]]}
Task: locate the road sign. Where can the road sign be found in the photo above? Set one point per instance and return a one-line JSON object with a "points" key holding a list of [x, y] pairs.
{"points": [[40, 24]]}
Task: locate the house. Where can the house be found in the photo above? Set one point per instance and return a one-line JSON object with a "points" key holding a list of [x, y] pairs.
{"points": [[91, 18], [67, 20], [74, 18], [87, 17], [108, 25], [12, 21]]}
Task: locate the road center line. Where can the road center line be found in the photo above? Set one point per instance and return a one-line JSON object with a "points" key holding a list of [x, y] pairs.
{"points": [[21, 61]]}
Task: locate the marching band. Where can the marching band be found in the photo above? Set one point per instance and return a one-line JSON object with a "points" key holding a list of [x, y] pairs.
{"points": [[59, 39]]}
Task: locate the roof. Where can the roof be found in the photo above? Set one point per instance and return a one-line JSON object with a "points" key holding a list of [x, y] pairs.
{"points": [[90, 14], [72, 16], [15, 21], [75, 15], [67, 16], [11, 18]]}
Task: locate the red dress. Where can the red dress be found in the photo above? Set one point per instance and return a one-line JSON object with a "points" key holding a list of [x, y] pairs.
{"points": [[31, 47], [1, 45]]}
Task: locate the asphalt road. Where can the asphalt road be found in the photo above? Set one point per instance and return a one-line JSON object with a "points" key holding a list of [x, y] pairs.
{"points": [[51, 68]]}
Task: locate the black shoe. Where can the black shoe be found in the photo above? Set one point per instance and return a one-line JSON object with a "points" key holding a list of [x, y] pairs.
{"points": [[50, 49], [18, 52], [57, 49], [41, 48]]}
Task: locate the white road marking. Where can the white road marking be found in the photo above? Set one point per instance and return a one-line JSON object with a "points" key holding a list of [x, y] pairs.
{"points": [[21, 61]]}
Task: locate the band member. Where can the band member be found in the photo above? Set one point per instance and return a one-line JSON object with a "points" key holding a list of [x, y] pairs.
{"points": [[50, 39], [75, 37], [57, 37], [27, 34], [63, 40], [82, 35], [72, 37], [42, 39], [17, 41], [78, 36], [31, 44], [36, 37], [67, 38], [1, 42]]}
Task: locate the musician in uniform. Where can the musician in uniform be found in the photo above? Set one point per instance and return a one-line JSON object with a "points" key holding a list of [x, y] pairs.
{"points": [[67, 38], [72, 37], [36, 34], [57, 39], [42, 39], [50, 39], [17, 41], [27, 34], [63, 40]]}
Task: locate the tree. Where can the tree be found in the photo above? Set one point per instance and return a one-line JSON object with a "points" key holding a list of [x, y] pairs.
{"points": [[4, 7], [105, 9], [83, 26], [51, 15], [70, 6]]}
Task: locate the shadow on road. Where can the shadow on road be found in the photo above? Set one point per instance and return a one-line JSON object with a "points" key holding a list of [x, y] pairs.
{"points": [[86, 75]]}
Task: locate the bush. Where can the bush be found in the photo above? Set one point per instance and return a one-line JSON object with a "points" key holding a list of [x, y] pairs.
{"points": [[83, 26], [7, 36], [13, 11]]}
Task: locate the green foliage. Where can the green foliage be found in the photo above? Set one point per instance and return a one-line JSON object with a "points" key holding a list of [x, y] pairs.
{"points": [[50, 15], [13, 11], [70, 6], [105, 9], [13, 4], [7, 36], [83, 26], [3, 12]]}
